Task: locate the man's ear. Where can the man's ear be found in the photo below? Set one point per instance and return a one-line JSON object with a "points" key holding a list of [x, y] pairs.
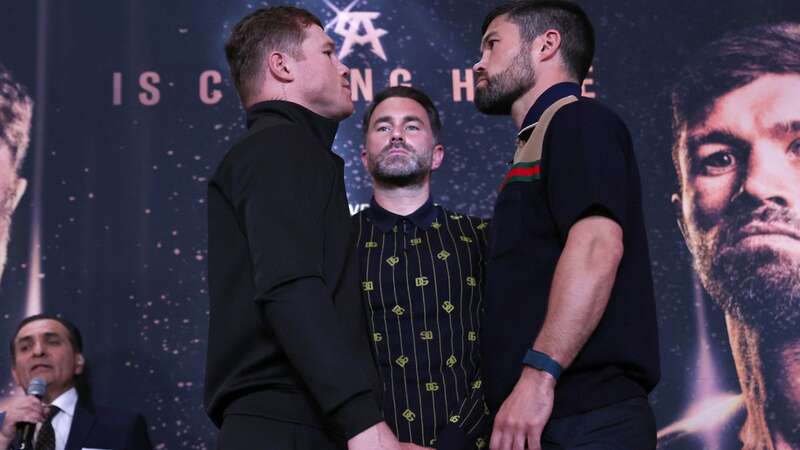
{"points": [[549, 44], [677, 208], [438, 156], [15, 376], [364, 157], [19, 191], [280, 66], [79, 363]]}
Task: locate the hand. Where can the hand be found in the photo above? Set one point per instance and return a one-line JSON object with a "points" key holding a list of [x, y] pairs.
{"points": [[376, 437], [410, 446], [20, 408], [524, 413]]}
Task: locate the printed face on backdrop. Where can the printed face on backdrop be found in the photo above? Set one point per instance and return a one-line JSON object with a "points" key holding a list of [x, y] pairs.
{"points": [[740, 200], [42, 349], [505, 71], [324, 80], [400, 147], [12, 186]]}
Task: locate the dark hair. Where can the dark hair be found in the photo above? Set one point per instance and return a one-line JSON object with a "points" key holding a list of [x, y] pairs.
{"points": [[405, 92], [728, 63], [16, 109], [535, 17], [280, 28], [73, 334]]}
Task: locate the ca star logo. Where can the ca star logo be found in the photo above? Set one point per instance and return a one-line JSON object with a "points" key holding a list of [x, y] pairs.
{"points": [[349, 25]]}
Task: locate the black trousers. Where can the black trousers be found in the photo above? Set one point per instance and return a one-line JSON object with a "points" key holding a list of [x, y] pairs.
{"points": [[628, 425], [243, 432]]}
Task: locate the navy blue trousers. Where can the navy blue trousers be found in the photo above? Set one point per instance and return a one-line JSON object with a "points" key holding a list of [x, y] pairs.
{"points": [[243, 432], [628, 425]]}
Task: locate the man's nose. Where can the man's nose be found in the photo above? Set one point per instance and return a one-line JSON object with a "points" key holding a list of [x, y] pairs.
{"points": [[479, 66], [397, 135], [344, 71], [38, 348], [772, 175]]}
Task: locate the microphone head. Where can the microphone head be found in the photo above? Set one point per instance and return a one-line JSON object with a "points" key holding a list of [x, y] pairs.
{"points": [[37, 387]]}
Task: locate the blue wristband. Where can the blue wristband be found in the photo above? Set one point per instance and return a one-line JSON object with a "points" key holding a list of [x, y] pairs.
{"points": [[542, 361]]}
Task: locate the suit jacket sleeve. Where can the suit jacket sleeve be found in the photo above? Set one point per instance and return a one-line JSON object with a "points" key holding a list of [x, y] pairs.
{"points": [[280, 195]]}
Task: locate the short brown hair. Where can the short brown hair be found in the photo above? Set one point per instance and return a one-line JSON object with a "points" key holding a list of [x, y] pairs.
{"points": [[280, 28], [405, 92], [73, 333], [534, 17], [726, 64], [16, 110]]}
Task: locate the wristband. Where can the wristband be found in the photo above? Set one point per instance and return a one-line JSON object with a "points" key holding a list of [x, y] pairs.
{"points": [[541, 361]]}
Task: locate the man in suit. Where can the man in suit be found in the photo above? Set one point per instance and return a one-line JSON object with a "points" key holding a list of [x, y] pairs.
{"points": [[51, 348]]}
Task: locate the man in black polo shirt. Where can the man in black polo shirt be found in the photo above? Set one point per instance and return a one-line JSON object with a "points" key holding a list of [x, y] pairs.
{"points": [[289, 364], [422, 269], [569, 341]]}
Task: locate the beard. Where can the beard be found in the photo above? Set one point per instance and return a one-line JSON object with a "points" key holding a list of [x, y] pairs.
{"points": [[503, 89], [5, 227], [757, 286], [400, 170]]}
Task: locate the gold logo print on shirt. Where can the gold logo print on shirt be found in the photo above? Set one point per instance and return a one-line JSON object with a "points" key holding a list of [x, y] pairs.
{"points": [[402, 360], [416, 241], [443, 255], [367, 286], [448, 307], [370, 244], [426, 335], [399, 310], [472, 282], [392, 260], [409, 415], [431, 387], [421, 281]]}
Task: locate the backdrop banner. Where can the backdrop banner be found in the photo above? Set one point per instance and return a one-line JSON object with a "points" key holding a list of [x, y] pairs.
{"points": [[133, 107]]}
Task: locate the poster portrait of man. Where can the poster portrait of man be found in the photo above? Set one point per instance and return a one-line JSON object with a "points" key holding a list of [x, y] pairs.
{"points": [[16, 109], [736, 122]]}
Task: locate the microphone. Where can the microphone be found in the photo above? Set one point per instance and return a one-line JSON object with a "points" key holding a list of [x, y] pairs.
{"points": [[37, 388]]}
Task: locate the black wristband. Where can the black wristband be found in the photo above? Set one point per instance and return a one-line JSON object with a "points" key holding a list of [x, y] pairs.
{"points": [[542, 361]]}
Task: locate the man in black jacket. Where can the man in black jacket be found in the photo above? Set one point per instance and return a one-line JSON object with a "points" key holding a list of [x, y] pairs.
{"points": [[289, 365]]}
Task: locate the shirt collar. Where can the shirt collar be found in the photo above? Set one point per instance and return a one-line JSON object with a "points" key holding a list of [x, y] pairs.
{"points": [[553, 94], [66, 402], [321, 127], [422, 218]]}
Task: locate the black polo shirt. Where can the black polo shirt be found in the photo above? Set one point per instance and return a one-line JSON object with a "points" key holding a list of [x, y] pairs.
{"points": [[587, 168], [422, 279]]}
